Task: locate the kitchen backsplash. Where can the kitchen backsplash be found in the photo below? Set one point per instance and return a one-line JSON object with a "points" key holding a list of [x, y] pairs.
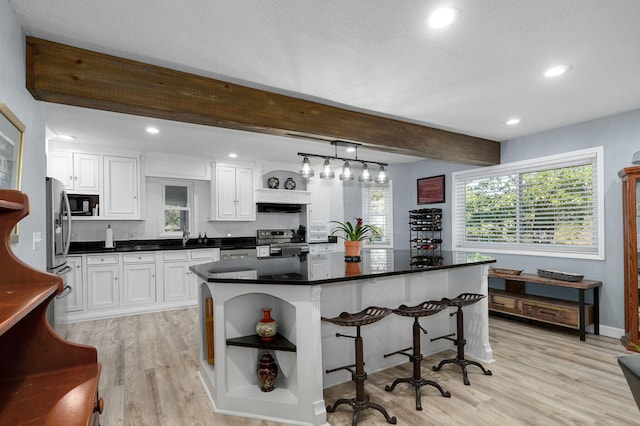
{"points": [[94, 230]]}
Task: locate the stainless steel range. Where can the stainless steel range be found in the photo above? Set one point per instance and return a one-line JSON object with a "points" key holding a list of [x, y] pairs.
{"points": [[282, 242]]}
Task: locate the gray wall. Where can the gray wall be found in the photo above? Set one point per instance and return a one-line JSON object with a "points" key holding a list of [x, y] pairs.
{"points": [[14, 94], [620, 136]]}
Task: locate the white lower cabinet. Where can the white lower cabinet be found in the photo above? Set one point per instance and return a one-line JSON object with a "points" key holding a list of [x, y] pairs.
{"points": [[74, 300], [115, 284], [103, 287], [139, 279], [176, 276]]}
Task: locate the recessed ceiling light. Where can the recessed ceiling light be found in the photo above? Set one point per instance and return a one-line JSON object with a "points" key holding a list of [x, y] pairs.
{"points": [[442, 17], [66, 137], [152, 130], [351, 149], [512, 121], [556, 70], [233, 155]]}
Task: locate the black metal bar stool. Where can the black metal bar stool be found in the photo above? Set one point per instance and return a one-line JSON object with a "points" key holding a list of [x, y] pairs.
{"points": [[361, 401], [422, 310], [463, 299]]}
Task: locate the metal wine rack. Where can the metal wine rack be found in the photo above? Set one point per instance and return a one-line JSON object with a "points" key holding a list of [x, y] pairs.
{"points": [[425, 236]]}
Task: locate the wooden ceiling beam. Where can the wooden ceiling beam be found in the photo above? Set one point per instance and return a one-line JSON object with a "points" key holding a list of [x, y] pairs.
{"points": [[72, 76]]}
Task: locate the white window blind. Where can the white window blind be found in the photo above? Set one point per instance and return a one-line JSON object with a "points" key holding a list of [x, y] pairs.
{"points": [[551, 206], [377, 209]]}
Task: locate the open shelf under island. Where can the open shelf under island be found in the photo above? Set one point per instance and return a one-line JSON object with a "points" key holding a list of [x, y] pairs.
{"points": [[385, 278]]}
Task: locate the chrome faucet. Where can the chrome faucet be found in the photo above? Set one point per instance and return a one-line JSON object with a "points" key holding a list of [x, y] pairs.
{"points": [[185, 238]]}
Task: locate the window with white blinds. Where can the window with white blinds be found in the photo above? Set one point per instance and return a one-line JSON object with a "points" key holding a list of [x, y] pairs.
{"points": [[377, 209], [551, 206]]}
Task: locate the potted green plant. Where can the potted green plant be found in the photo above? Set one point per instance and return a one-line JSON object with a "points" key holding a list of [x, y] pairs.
{"points": [[353, 235]]}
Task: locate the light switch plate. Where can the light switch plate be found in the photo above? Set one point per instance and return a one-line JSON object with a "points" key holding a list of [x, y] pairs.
{"points": [[37, 241]]}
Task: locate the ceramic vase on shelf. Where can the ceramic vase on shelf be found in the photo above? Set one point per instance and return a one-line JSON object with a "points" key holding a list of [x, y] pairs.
{"points": [[267, 327], [267, 372], [352, 248]]}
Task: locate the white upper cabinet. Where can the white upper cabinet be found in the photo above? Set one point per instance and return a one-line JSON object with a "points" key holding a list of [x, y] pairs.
{"points": [[79, 172], [121, 198], [320, 209], [232, 197]]}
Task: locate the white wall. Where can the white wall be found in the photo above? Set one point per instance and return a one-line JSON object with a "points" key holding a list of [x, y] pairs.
{"points": [[14, 94]]}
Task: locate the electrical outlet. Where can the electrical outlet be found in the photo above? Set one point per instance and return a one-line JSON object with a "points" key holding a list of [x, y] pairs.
{"points": [[37, 241]]}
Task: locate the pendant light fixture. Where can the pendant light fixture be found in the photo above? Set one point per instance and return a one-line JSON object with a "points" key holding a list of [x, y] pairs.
{"points": [[347, 173], [365, 176], [306, 171], [382, 176], [327, 173]]}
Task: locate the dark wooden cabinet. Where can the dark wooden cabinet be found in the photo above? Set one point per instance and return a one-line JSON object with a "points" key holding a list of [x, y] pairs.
{"points": [[630, 198], [44, 379]]}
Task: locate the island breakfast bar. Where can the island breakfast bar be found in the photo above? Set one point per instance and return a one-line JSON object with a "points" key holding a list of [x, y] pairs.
{"points": [[301, 290]]}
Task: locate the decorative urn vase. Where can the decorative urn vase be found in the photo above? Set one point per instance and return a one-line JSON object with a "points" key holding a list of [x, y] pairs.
{"points": [[267, 327], [267, 372], [352, 248]]}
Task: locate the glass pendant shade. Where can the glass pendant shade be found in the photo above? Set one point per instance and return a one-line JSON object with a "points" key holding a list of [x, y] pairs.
{"points": [[365, 176], [346, 172], [327, 173], [306, 171], [382, 176]]}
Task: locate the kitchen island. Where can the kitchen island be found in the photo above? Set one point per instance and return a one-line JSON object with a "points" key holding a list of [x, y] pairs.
{"points": [[302, 289]]}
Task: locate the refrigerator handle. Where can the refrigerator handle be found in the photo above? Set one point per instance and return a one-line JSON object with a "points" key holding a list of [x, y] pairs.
{"points": [[67, 206]]}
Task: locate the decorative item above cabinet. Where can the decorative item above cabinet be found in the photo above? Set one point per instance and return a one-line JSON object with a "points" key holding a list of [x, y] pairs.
{"points": [[283, 187]]}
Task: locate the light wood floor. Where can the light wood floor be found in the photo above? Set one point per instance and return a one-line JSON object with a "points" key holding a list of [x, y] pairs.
{"points": [[540, 377]]}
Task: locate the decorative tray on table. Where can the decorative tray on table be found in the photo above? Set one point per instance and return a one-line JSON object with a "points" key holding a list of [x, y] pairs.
{"points": [[504, 271], [559, 275]]}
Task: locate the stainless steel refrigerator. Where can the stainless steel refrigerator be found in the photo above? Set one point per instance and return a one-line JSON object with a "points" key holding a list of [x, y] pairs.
{"points": [[58, 240]]}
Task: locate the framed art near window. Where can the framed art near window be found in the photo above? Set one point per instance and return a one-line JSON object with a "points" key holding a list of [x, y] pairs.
{"points": [[11, 138], [431, 190]]}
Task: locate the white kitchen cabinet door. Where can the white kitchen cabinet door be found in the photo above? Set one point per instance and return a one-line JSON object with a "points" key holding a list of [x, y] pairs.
{"points": [[60, 166], [139, 284], [103, 287], [320, 209], [176, 281], [74, 301], [78, 171], [121, 188], [245, 206], [226, 193], [234, 194], [86, 171]]}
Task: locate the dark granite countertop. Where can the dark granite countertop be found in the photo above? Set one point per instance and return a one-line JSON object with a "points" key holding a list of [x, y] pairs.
{"points": [[231, 243], [295, 270]]}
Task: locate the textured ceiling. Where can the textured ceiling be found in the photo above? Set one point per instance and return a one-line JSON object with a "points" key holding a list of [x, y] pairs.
{"points": [[374, 56]]}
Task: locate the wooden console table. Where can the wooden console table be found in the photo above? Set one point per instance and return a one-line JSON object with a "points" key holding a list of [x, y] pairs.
{"points": [[515, 301]]}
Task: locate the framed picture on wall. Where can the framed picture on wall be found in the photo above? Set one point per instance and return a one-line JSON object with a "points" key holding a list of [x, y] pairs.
{"points": [[431, 190], [11, 138]]}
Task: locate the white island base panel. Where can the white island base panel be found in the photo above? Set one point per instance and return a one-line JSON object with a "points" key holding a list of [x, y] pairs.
{"points": [[232, 384]]}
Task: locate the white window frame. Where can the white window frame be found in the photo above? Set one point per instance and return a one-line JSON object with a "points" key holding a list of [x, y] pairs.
{"points": [[169, 182], [574, 158], [366, 215]]}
